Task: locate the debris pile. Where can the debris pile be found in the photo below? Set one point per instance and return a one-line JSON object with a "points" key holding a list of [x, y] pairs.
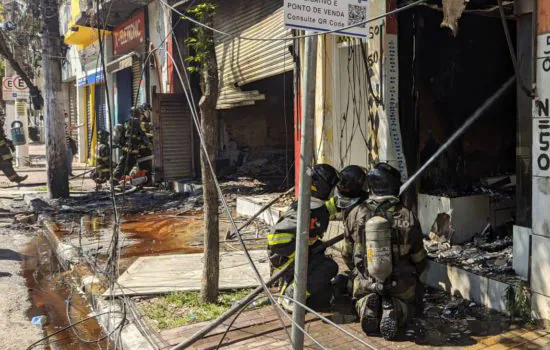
{"points": [[274, 166], [485, 255], [450, 320]]}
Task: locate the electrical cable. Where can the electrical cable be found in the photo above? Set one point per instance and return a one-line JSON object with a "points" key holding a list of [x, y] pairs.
{"points": [[323, 318], [236, 231], [223, 200], [236, 36], [33, 345], [512, 51], [329, 322], [78, 335]]}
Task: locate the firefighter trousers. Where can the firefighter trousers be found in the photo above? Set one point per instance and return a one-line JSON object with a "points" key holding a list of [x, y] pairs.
{"points": [[321, 270], [7, 168], [125, 165]]}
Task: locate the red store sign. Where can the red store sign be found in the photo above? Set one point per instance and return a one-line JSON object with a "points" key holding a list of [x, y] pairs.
{"points": [[130, 35]]}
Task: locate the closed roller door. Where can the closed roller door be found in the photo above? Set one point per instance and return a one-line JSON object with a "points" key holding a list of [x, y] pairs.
{"points": [[89, 121], [173, 137], [243, 61], [73, 115], [136, 79], [101, 107]]}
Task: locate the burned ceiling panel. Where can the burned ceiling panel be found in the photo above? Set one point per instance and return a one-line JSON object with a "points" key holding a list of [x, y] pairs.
{"points": [[452, 11]]}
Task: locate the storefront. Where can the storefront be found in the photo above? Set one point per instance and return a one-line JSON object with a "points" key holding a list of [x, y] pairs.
{"points": [[92, 88], [127, 65]]}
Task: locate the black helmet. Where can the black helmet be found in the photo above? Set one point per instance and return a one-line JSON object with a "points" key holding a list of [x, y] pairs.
{"points": [[323, 179], [103, 136], [351, 187], [384, 180]]}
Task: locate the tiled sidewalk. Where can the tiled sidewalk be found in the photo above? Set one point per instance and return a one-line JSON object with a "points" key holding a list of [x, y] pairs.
{"points": [[261, 329]]}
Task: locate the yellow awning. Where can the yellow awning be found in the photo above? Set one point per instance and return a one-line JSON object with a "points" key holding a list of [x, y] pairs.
{"points": [[82, 36]]}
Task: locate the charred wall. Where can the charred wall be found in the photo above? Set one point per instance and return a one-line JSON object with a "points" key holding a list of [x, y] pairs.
{"points": [[450, 78], [265, 128]]}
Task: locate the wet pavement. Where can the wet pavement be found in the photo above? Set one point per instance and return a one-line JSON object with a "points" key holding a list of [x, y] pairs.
{"points": [[53, 295]]}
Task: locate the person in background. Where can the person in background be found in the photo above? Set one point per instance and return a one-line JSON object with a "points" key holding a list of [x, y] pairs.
{"points": [[72, 149], [6, 148]]}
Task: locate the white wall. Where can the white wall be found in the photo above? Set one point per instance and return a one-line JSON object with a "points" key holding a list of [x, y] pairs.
{"points": [[345, 123], [159, 26]]}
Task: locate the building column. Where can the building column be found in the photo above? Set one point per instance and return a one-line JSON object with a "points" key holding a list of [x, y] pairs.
{"points": [[540, 260]]}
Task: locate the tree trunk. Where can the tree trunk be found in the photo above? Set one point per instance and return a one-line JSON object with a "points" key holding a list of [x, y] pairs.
{"points": [[56, 151], [209, 131]]}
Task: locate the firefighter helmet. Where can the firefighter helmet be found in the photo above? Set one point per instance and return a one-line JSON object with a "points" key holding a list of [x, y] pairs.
{"points": [[351, 187], [323, 179], [103, 136], [384, 180]]}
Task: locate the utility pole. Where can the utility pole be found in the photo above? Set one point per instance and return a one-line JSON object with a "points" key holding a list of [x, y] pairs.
{"points": [[304, 196], [56, 150]]}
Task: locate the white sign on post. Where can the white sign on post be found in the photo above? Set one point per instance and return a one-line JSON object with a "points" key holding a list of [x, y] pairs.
{"points": [[14, 88], [327, 15]]}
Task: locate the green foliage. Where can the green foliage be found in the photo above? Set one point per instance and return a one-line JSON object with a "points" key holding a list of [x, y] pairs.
{"points": [[25, 38], [201, 40], [182, 308], [518, 302]]}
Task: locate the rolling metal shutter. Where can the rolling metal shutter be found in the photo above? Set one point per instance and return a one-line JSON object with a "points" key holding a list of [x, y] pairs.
{"points": [[73, 115], [173, 138], [136, 79], [243, 61], [101, 107], [89, 122]]}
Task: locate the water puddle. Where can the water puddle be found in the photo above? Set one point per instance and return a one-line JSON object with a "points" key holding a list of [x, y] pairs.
{"points": [[52, 296], [158, 234]]}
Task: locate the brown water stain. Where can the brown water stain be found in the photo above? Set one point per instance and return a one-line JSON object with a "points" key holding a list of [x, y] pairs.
{"points": [[50, 289], [158, 234]]}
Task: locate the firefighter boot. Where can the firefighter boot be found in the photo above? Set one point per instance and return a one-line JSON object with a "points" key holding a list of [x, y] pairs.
{"points": [[288, 291], [389, 322], [368, 308], [20, 179]]}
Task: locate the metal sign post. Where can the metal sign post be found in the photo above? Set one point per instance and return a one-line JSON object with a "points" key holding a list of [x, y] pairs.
{"points": [[304, 198]]}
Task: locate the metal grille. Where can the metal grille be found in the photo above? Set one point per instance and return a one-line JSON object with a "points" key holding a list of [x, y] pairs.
{"points": [[173, 137], [73, 115], [136, 79], [241, 61], [101, 107], [89, 121]]}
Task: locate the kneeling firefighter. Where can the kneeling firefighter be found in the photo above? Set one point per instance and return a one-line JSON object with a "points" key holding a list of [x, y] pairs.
{"points": [[282, 241], [101, 173], [384, 250]]}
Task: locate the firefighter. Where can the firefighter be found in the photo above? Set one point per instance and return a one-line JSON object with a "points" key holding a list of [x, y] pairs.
{"points": [[135, 145], [282, 241], [384, 250], [101, 173], [6, 158]]}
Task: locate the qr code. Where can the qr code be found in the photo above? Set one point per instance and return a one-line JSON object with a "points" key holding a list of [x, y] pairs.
{"points": [[357, 14]]}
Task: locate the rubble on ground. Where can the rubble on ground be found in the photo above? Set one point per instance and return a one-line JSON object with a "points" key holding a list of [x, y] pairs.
{"points": [[448, 319], [274, 166], [485, 255]]}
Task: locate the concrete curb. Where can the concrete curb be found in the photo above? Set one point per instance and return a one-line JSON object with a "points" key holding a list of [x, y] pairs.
{"points": [[247, 206], [130, 337]]}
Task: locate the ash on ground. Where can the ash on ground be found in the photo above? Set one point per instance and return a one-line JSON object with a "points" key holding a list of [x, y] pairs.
{"points": [[486, 255]]}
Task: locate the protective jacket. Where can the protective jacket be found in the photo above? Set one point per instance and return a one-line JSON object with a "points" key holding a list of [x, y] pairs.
{"points": [[408, 253], [136, 139], [101, 173], [6, 147], [282, 240]]}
